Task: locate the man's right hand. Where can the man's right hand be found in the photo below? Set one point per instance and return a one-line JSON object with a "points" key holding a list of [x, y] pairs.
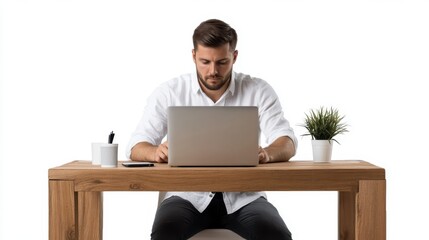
{"points": [[161, 153], [144, 151]]}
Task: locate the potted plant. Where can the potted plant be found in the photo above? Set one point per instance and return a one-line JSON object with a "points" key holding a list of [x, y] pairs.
{"points": [[323, 125]]}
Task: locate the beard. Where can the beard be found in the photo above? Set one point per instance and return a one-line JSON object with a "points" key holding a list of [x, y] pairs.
{"points": [[214, 82]]}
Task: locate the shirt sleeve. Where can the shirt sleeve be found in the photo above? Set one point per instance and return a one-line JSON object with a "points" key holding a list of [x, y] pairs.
{"points": [[271, 117], [152, 127]]}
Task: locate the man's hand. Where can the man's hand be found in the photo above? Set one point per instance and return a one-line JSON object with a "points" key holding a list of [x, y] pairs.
{"points": [[161, 153], [263, 155], [281, 150], [145, 151]]}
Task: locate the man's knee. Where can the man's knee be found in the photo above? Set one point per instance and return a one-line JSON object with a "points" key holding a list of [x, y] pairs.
{"points": [[168, 230], [273, 234], [273, 230], [263, 221]]}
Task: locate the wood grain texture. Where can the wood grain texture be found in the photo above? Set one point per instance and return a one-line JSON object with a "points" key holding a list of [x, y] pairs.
{"points": [[362, 214], [90, 215], [62, 216], [347, 215], [75, 191], [371, 210], [294, 175]]}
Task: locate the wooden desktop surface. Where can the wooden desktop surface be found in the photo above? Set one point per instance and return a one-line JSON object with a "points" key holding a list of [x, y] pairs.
{"points": [[75, 191], [293, 175]]}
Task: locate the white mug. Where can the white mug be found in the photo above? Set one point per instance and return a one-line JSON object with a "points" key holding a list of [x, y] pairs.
{"points": [[96, 157]]}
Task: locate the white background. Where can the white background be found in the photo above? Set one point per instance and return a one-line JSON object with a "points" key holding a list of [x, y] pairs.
{"points": [[72, 71]]}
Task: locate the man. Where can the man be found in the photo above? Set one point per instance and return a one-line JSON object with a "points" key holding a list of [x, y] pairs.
{"points": [[183, 214]]}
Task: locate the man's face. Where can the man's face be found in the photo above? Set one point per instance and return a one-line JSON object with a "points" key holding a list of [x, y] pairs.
{"points": [[214, 66]]}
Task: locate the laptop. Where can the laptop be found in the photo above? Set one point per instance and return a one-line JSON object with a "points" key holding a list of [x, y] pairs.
{"points": [[213, 136]]}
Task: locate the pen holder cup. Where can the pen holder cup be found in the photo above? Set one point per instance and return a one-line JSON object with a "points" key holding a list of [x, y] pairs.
{"points": [[109, 155]]}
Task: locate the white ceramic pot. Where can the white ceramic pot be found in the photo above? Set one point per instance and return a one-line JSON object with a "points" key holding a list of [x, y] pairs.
{"points": [[322, 150]]}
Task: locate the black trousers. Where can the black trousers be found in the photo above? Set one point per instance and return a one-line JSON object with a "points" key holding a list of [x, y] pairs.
{"points": [[177, 218]]}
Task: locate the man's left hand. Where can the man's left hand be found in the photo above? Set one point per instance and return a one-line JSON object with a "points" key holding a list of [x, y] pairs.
{"points": [[263, 155]]}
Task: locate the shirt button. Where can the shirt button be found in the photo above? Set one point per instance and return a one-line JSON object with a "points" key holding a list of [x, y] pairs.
{"points": [[211, 195]]}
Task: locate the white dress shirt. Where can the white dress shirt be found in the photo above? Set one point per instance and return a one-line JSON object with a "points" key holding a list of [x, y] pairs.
{"points": [[185, 90]]}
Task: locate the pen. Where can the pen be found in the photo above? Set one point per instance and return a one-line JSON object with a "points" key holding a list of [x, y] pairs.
{"points": [[111, 136]]}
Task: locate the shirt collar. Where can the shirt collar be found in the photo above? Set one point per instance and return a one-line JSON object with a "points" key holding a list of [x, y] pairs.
{"points": [[197, 88]]}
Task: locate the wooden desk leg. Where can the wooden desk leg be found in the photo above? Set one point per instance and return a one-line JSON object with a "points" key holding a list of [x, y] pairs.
{"points": [[362, 215], [74, 215], [90, 215], [62, 205], [346, 215], [371, 212]]}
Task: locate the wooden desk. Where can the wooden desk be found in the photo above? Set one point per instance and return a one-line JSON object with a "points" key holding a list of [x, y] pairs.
{"points": [[76, 204]]}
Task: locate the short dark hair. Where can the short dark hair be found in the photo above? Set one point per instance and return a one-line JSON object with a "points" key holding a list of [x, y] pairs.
{"points": [[214, 33]]}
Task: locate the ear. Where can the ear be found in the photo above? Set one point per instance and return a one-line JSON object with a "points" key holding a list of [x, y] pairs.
{"points": [[235, 54], [194, 55]]}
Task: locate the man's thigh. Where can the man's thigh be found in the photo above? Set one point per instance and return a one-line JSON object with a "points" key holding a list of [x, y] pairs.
{"points": [[258, 220], [176, 218]]}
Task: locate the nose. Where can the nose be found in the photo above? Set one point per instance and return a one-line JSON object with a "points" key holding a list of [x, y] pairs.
{"points": [[213, 69]]}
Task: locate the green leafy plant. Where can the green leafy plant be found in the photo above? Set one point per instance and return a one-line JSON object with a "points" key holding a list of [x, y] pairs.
{"points": [[324, 124]]}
